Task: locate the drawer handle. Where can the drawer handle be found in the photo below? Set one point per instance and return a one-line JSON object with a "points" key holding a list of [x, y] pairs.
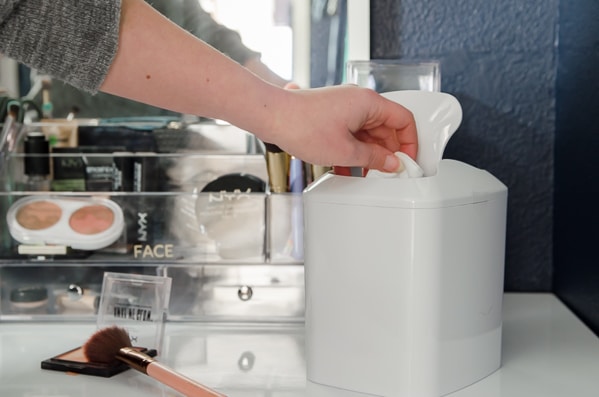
{"points": [[245, 292]]}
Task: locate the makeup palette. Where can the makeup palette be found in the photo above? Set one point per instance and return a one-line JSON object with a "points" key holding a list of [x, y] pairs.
{"points": [[84, 223], [74, 361]]}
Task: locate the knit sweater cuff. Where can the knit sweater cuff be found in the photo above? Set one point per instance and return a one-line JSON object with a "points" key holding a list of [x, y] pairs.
{"points": [[75, 41]]}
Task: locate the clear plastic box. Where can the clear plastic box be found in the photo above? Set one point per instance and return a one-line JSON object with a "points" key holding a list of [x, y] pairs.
{"points": [[137, 303], [233, 255]]}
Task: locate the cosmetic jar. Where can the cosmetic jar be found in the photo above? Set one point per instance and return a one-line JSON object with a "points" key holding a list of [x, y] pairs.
{"points": [[37, 162], [30, 299]]}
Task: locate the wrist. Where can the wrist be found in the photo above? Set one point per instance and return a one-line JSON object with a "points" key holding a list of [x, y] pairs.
{"points": [[257, 107], [275, 115]]}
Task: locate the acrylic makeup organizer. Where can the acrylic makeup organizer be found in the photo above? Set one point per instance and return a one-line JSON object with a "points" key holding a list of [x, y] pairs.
{"points": [[232, 256]]}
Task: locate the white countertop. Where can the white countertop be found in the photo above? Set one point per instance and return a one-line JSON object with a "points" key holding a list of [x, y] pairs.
{"points": [[547, 352]]}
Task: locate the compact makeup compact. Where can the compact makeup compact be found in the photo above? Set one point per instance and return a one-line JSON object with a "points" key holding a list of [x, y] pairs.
{"points": [[74, 361], [404, 272], [230, 211], [84, 223], [28, 299]]}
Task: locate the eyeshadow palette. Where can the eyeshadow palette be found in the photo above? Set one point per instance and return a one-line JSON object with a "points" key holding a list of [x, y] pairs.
{"points": [[84, 223]]}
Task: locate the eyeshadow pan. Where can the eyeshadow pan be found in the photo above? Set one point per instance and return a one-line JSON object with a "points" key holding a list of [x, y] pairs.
{"points": [[91, 219], [38, 215], [75, 355]]}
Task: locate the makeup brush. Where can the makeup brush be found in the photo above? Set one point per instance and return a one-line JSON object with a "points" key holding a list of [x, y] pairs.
{"points": [[46, 102], [277, 164], [74, 110], [112, 344]]}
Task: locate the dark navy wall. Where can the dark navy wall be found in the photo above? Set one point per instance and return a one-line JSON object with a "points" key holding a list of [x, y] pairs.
{"points": [[577, 160], [499, 59]]}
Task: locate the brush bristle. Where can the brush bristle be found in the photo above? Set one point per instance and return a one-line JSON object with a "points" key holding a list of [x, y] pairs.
{"points": [[103, 346], [46, 84]]}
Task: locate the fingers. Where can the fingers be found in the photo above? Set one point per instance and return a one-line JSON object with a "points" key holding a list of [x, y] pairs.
{"points": [[379, 158], [389, 128], [291, 86], [402, 121], [397, 131]]}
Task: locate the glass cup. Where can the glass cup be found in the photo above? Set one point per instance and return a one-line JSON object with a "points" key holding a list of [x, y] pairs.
{"points": [[384, 75]]}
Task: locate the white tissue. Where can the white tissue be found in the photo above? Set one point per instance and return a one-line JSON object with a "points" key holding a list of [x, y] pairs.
{"points": [[437, 115], [409, 169]]}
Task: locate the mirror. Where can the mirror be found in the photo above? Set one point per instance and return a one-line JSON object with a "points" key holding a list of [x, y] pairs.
{"points": [[306, 41], [340, 31], [265, 26]]}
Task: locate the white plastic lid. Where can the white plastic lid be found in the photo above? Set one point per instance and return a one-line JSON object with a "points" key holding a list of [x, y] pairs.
{"points": [[456, 183]]}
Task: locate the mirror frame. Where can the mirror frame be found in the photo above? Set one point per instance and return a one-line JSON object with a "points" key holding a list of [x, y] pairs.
{"points": [[358, 36], [358, 30]]}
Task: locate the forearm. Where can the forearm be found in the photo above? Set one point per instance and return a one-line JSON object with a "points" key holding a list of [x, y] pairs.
{"points": [[188, 76], [256, 66], [161, 64]]}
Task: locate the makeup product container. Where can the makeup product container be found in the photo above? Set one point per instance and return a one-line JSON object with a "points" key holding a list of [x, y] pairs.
{"points": [[78, 223], [136, 302], [404, 275], [37, 162], [230, 211], [190, 203], [29, 299]]}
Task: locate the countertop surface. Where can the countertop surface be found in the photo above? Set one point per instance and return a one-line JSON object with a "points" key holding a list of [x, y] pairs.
{"points": [[546, 352]]}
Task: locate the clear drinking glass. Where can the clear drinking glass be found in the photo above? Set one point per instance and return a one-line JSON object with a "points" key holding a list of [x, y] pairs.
{"points": [[384, 75]]}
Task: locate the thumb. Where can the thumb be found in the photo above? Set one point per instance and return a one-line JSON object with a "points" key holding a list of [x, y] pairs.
{"points": [[379, 158]]}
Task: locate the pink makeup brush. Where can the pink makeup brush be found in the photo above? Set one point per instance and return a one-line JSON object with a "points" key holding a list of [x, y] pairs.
{"points": [[113, 344]]}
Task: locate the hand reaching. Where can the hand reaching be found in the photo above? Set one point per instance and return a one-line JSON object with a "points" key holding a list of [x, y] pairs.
{"points": [[345, 126]]}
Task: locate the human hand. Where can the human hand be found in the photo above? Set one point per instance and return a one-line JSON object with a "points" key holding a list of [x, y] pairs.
{"points": [[344, 126]]}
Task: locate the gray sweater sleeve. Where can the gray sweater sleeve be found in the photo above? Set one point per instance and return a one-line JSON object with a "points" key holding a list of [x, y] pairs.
{"points": [[72, 40]]}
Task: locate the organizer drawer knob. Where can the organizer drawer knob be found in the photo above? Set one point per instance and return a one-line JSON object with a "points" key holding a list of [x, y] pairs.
{"points": [[245, 292]]}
